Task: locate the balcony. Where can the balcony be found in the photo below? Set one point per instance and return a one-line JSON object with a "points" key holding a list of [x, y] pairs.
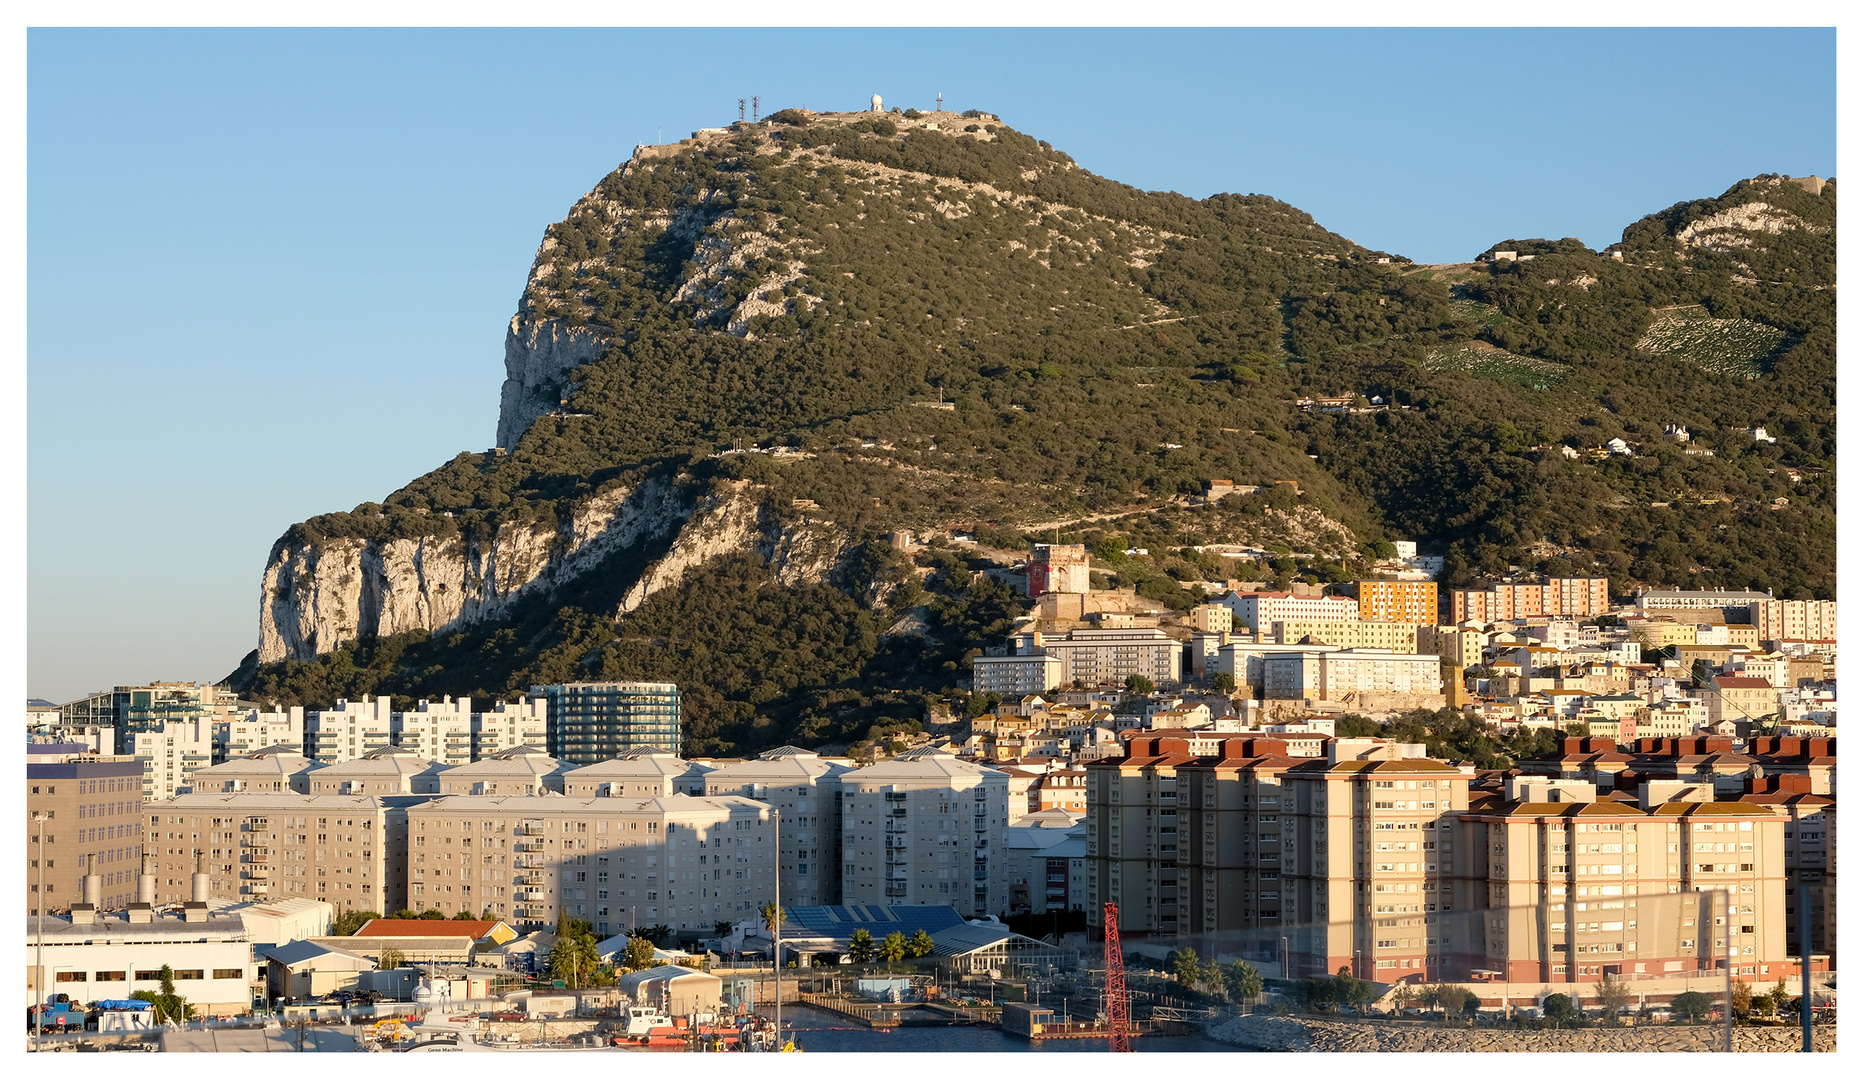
{"points": [[256, 873], [530, 879], [528, 829], [255, 888], [528, 845]]}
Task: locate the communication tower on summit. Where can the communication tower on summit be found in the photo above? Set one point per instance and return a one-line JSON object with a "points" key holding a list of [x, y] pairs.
{"points": [[753, 110], [740, 108], [941, 101]]}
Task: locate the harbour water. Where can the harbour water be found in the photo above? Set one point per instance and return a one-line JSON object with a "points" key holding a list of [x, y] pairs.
{"points": [[819, 1031]]}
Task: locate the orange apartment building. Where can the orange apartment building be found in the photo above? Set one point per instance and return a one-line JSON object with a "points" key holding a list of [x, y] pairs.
{"points": [[1575, 597], [1413, 603]]}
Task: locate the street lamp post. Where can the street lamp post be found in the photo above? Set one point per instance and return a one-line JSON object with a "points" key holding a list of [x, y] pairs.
{"points": [[38, 1014]]}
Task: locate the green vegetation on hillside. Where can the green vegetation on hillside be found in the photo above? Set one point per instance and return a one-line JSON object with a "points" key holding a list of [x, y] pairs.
{"points": [[966, 329]]}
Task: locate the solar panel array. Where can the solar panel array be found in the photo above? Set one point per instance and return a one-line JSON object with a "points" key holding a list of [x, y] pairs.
{"points": [[841, 920]]}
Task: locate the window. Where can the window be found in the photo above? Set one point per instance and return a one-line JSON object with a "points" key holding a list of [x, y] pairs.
{"points": [[112, 976], [73, 977], [149, 976], [190, 973], [229, 973]]}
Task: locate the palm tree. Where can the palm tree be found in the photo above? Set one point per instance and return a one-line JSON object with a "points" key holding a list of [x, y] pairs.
{"points": [[920, 944], [861, 947], [893, 948]]}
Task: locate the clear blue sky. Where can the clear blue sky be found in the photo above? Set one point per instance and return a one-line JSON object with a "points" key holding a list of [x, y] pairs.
{"points": [[269, 272]]}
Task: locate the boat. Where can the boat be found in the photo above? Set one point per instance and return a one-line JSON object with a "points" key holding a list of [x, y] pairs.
{"points": [[645, 1025]]}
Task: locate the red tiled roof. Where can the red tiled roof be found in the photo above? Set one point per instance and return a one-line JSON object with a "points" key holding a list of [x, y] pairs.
{"points": [[1742, 682]]}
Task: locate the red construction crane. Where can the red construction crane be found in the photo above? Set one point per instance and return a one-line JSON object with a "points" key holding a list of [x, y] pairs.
{"points": [[1117, 1027]]}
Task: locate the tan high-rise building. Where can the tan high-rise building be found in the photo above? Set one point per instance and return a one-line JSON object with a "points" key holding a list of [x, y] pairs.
{"points": [[806, 788], [1794, 620], [926, 828], [1411, 602], [94, 824], [1586, 882], [1354, 634], [677, 861], [1367, 842], [348, 850]]}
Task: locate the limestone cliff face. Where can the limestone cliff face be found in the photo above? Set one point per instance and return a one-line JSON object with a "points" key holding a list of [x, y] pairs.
{"points": [[732, 520], [538, 359], [314, 597]]}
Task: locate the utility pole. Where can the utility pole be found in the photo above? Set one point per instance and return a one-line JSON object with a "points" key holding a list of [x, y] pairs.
{"points": [[776, 919], [38, 1014]]}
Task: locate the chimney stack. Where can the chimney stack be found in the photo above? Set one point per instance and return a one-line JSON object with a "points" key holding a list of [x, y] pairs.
{"points": [[94, 888], [145, 884]]}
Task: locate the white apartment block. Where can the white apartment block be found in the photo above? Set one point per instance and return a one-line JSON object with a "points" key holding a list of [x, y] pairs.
{"points": [[349, 730], [1247, 663], [643, 773], [441, 730], [677, 861], [509, 725], [926, 828], [171, 755], [239, 736], [1015, 676], [1257, 610], [1368, 678], [1092, 657], [806, 788]]}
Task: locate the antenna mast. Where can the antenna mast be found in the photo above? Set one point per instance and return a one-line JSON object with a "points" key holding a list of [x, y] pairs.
{"points": [[740, 108], [1117, 1031], [754, 110]]}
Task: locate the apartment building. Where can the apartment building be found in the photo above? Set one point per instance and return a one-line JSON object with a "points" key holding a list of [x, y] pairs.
{"points": [[1413, 603], [440, 730], [1504, 602], [806, 788], [1210, 619], [1357, 634], [509, 725], [1257, 610], [1247, 662], [348, 730], [268, 770], [347, 850], [1093, 657], [1367, 839], [1567, 867], [678, 861], [1794, 620], [643, 772], [247, 733], [1132, 836], [93, 824], [392, 770], [1367, 679], [925, 828], [171, 754], [1047, 855], [1017, 675], [1727, 601], [1233, 813], [591, 722], [1460, 647], [524, 770], [1740, 698]]}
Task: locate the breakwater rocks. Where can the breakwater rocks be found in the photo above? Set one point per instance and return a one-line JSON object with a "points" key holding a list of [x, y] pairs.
{"points": [[1306, 1035]]}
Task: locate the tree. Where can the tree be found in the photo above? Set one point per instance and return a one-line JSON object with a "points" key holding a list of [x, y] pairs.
{"points": [[390, 959], [1242, 981], [465, 916], [638, 954], [1692, 1004], [1612, 994], [573, 959], [1139, 685], [1185, 967], [1558, 1009], [721, 929], [1223, 682], [432, 914], [861, 947], [893, 947], [920, 944], [168, 1006], [351, 921], [772, 916], [1778, 997], [1740, 997], [1402, 997]]}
